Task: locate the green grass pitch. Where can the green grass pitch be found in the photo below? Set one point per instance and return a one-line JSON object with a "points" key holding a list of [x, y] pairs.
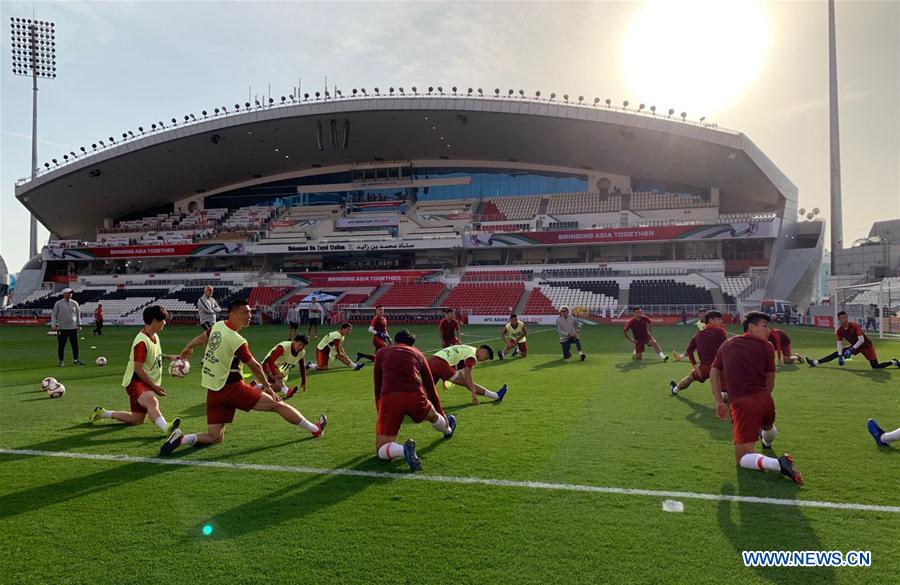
{"points": [[605, 422]]}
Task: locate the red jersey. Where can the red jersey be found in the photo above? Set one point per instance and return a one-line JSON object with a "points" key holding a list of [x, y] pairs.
{"points": [[707, 344], [379, 324], [640, 328], [98, 314], [402, 368], [448, 328], [745, 362], [851, 335], [779, 339]]}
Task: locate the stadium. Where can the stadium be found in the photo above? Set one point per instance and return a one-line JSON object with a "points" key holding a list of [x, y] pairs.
{"points": [[506, 289]]}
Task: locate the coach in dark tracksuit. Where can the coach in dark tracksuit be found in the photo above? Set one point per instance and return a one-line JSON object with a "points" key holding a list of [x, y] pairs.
{"points": [[66, 322]]}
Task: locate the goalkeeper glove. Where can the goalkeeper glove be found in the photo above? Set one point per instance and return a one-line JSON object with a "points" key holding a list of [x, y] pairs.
{"points": [[848, 352]]}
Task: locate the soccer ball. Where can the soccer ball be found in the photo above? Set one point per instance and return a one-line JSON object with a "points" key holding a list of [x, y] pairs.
{"points": [[53, 387], [179, 368], [101, 361]]}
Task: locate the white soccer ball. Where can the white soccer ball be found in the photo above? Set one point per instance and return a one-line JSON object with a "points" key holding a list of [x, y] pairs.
{"points": [[179, 368], [49, 383], [101, 361], [57, 391]]}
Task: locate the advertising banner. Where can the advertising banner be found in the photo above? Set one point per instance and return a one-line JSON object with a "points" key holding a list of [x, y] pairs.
{"points": [[504, 319], [374, 246], [825, 322], [350, 279], [363, 222], [726, 231], [139, 251]]}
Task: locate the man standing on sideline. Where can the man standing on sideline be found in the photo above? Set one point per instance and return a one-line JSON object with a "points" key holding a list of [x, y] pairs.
{"points": [[747, 365], [293, 318], [404, 387], [315, 318], [98, 319], [66, 322], [207, 308], [569, 329]]}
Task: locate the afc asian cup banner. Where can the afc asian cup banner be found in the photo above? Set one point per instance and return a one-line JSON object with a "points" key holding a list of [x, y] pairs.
{"points": [[349, 279], [216, 249], [726, 231], [360, 222]]}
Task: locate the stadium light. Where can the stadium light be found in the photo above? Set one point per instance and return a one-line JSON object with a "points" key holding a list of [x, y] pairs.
{"points": [[440, 90], [83, 150], [537, 94], [102, 144], [470, 91], [510, 93], [608, 102], [430, 89], [225, 109], [414, 90], [283, 99], [391, 90], [33, 51], [653, 110], [293, 98], [174, 122], [580, 99], [480, 92], [131, 134], [340, 94], [671, 111], [400, 89], [258, 105], [454, 89], [566, 97], [376, 92], [271, 101], [306, 96], [161, 125], [596, 101], [497, 92], [354, 91], [521, 93], [318, 95], [111, 139], [683, 116], [625, 104], [66, 157], [186, 119], [702, 119], [193, 118], [54, 162], [363, 90], [641, 107]]}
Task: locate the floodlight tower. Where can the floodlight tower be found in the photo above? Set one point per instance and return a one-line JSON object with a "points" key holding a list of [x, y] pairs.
{"points": [[33, 49], [837, 214]]}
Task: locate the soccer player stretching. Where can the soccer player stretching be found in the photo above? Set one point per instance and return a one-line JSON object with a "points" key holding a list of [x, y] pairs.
{"points": [[514, 334], [143, 376], [706, 342], [701, 325], [853, 334], [330, 347], [882, 439], [454, 364], [782, 344], [226, 391], [279, 362], [404, 387], [747, 366], [380, 337], [449, 329], [640, 326]]}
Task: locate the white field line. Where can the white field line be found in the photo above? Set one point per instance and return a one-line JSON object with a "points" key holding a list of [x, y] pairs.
{"points": [[497, 338], [535, 485]]}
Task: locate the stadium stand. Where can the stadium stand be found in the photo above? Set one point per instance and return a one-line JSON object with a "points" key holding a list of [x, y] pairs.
{"points": [[518, 208], [487, 299], [252, 217], [539, 304], [667, 292], [124, 301], [576, 297], [349, 299], [734, 286], [45, 302], [266, 295], [645, 200], [505, 227], [497, 275], [488, 211], [422, 294], [578, 203]]}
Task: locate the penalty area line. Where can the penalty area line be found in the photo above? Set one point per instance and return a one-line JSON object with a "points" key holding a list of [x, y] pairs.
{"points": [[449, 479]]}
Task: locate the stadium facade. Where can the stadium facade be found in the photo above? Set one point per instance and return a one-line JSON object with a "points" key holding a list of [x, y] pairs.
{"points": [[452, 184]]}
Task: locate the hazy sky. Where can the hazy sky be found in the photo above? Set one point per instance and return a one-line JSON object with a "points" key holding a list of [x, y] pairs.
{"points": [[124, 64]]}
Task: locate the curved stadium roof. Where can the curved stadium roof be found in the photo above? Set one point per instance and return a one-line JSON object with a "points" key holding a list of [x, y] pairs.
{"points": [[215, 154]]}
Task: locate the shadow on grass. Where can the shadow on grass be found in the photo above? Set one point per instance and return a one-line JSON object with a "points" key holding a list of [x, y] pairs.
{"points": [[704, 416], [99, 435], [557, 363], [632, 365], [878, 376], [749, 527]]}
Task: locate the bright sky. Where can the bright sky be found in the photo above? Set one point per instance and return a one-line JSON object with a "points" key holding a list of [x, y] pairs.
{"points": [[758, 68]]}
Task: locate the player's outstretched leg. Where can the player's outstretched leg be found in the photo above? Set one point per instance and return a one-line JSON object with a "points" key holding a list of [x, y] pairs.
{"points": [[676, 387], [813, 363], [368, 356], [882, 439], [748, 459], [291, 415], [876, 365]]}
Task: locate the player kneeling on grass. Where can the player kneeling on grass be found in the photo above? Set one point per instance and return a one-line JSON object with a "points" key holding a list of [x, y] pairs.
{"points": [[782, 343], [701, 325], [279, 362], [706, 342], [143, 375], [226, 391], [882, 439], [404, 387], [853, 334], [454, 364], [745, 365], [380, 336], [331, 347], [640, 326], [514, 334]]}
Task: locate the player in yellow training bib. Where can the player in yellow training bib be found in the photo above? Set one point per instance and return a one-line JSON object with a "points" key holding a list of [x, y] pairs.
{"points": [[514, 334]]}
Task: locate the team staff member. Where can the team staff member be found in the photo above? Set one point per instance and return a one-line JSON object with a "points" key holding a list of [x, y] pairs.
{"points": [[853, 334], [314, 318], [404, 387], [380, 336], [454, 364], [747, 366], [449, 329], [331, 347], [143, 376], [207, 308], [569, 329], [640, 325], [514, 334], [66, 321], [293, 317], [706, 342], [98, 319], [226, 391]]}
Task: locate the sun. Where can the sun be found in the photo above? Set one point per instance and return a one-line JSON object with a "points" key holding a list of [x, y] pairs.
{"points": [[694, 56]]}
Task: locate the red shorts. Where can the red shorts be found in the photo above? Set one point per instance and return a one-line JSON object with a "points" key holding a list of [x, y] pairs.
{"points": [[134, 390], [640, 343], [378, 343], [440, 369], [449, 342], [786, 350], [749, 414], [322, 357], [221, 404], [393, 406], [703, 374], [868, 352]]}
